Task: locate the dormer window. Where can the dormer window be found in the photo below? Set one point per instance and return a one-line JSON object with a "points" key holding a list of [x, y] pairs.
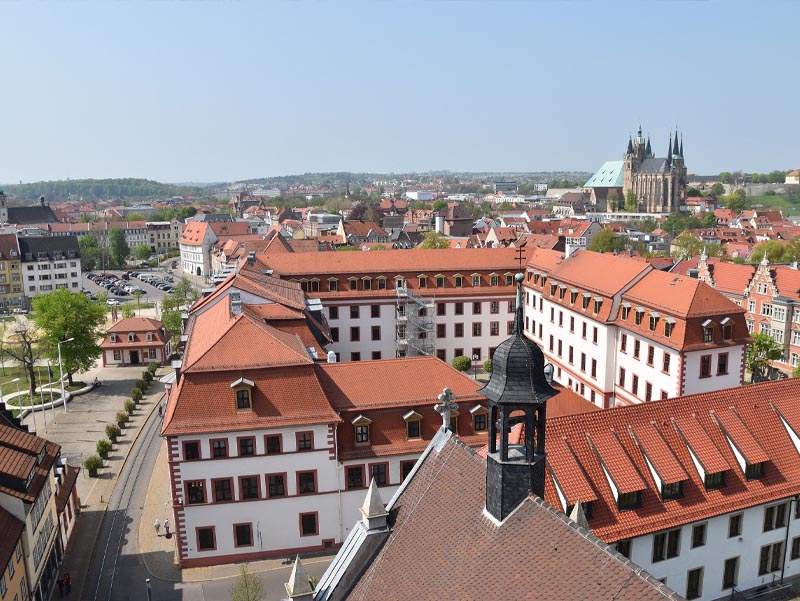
{"points": [[440, 281], [476, 280], [131, 337], [708, 331], [333, 284], [361, 426], [413, 424], [586, 298], [149, 336], [458, 281], [629, 500], [754, 471], [422, 281], [242, 391], [573, 296], [673, 490], [493, 279], [480, 416], [553, 286], [598, 302], [562, 290], [113, 337], [669, 325], [353, 283], [727, 328], [626, 310], [654, 317], [714, 481], [637, 318]]}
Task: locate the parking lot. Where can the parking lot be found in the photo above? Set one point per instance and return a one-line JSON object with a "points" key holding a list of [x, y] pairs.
{"points": [[148, 286]]}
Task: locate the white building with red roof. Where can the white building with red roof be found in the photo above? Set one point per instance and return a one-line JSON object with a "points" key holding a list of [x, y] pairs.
{"points": [[618, 331], [136, 341]]}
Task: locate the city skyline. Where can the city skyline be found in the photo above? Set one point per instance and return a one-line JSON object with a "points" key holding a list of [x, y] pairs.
{"points": [[222, 92]]}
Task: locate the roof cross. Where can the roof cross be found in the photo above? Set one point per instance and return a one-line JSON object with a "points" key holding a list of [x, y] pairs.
{"points": [[445, 406]]}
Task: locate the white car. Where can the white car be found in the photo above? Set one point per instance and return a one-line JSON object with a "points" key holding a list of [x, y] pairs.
{"points": [[111, 302]]}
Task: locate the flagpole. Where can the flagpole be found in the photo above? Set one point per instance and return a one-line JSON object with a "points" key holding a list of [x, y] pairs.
{"points": [[41, 397], [50, 386]]}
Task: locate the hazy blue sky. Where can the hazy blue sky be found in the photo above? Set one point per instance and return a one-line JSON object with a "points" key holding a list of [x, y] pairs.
{"points": [[210, 91]]}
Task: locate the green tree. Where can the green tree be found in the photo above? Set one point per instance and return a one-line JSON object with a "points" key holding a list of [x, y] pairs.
{"points": [[440, 205], [612, 200], [710, 220], [687, 245], [776, 251], [462, 363], [248, 586], [90, 250], [692, 192], [142, 252], [760, 353], [435, 240], [606, 241], [185, 292], [717, 190], [135, 217], [62, 315], [631, 204], [726, 177], [120, 251]]}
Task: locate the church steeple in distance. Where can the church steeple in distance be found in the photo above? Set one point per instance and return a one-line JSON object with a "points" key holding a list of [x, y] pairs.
{"points": [[517, 392], [669, 150], [676, 151]]}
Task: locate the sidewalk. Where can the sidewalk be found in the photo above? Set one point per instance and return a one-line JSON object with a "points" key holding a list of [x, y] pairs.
{"points": [[77, 431]]}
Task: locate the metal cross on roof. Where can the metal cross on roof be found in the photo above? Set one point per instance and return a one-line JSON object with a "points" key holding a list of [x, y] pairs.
{"points": [[445, 406]]}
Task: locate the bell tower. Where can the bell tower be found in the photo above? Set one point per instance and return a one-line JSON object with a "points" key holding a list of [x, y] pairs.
{"points": [[517, 392]]}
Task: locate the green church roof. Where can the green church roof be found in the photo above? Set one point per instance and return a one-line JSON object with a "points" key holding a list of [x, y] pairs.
{"points": [[610, 175]]}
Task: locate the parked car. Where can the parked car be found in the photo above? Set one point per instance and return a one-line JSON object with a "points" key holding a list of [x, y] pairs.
{"points": [[111, 302], [20, 311]]}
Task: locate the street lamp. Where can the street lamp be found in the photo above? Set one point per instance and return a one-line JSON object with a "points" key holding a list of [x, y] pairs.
{"points": [[61, 370], [475, 358]]}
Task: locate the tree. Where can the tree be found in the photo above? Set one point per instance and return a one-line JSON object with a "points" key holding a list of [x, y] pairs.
{"points": [[606, 241], [776, 251], [612, 201], [248, 586], [435, 240], [631, 204], [185, 292], [760, 353], [440, 205], [717, 190], [135, 217], [62, 315], [726, 177], [142, 252], [23, 347], [120, 251], [693, 192], [710, 220], [91, 253], [687, 245], [462, 363]]}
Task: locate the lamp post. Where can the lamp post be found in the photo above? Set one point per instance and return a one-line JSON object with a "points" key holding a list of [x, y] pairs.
{"points": [[475, 358], [61, 370]]}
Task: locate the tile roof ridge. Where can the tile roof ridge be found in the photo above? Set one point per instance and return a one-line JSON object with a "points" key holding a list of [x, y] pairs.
{"points": [[232, 319], [284, 338]]}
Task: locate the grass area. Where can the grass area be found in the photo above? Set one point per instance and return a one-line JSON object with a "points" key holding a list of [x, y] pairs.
{"points": [[25, 401], [777, 202], [9, 372]]}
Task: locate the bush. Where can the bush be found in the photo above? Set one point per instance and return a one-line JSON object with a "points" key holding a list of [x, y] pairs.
{"points": [[147, 377], [462, 363], [121, 417], [136, 395], [487, 366], [112, 432], [153, 367], [93, 463], [103, 447], [130, 405], [141, 385]]}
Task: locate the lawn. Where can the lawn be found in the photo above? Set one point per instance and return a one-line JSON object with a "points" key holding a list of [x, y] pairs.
{"points": [[777, 202]]}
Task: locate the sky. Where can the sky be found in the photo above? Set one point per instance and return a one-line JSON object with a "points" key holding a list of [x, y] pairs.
{"points": [[219, 91]]}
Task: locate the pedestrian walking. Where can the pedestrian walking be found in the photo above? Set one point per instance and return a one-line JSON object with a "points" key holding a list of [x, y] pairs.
{"points": [[157, 526], [166, 526], [160, 411], [67, 583], [60, 583]]}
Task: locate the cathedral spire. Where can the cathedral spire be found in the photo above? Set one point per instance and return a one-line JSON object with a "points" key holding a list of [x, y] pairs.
{"points": [[676, 151], [681, 145], [630, 147], [648, 151], [669, 150]]}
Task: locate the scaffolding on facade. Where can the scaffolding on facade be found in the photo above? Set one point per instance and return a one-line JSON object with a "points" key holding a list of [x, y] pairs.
{"points": [[414, 324]]}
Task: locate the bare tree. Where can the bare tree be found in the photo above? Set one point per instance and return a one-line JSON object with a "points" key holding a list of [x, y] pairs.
{"points": [[23, 347], [248, 586]]}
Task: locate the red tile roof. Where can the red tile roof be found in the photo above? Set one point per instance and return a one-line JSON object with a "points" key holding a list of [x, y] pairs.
{"points": [[441, 546], [749, 415]]}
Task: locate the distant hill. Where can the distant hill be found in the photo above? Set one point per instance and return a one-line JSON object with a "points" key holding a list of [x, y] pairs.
{"points": [[100, 189]]}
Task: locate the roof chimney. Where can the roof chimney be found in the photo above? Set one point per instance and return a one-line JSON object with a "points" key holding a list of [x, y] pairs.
{"points": [[331, 357]]}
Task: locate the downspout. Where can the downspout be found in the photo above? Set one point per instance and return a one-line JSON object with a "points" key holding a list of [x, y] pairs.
{"points": [[338, 480], [786, 539]]}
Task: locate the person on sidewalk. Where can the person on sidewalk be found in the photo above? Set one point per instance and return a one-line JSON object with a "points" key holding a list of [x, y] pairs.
{"points": [[67, 583]]}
